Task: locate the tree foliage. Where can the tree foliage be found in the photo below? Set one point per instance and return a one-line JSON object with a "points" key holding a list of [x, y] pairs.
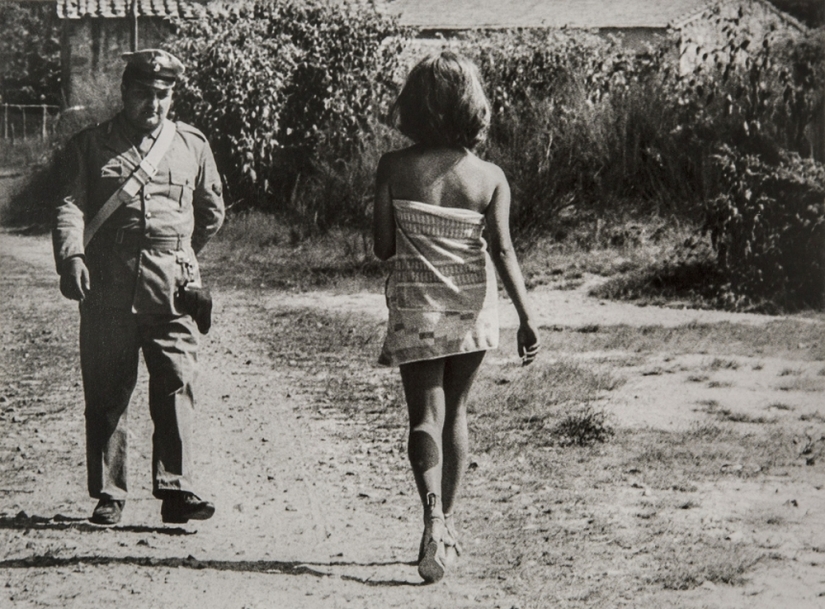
{"points": [[284, 88], [29, 54]]}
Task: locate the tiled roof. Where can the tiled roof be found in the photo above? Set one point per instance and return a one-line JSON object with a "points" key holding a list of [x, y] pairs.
{"points": [[472, 14], [76, 9], [769, 7]]}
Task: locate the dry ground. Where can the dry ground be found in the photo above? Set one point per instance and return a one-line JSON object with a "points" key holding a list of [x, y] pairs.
{"points": [[709, 490]]}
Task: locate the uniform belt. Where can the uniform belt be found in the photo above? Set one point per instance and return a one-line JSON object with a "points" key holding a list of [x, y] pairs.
{"points": [[132, 238]]}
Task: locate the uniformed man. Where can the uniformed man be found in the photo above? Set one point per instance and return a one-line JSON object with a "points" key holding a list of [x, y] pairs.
{"points": [[127, 277]]}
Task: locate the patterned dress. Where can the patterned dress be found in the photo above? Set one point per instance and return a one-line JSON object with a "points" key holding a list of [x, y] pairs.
{"points": [[442, 293]]}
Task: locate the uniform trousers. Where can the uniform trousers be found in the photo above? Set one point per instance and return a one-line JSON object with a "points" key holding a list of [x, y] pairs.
{"points": [[110, 343]]}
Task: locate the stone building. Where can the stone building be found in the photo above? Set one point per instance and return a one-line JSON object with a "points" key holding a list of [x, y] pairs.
{"points": [[95, 33]]}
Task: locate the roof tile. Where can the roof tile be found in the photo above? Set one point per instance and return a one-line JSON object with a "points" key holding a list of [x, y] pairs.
{"points": [[472, 14], [77, 9]]}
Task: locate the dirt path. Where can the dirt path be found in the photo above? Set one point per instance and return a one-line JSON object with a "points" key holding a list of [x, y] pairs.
{"points": [[293, 526], [314, 512]]}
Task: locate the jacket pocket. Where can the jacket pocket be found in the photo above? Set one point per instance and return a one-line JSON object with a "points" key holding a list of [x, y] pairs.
{"points": [[181, 188]]}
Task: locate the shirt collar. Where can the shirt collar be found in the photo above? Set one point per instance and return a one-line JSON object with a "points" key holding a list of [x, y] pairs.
{"points": [[132, 134]]}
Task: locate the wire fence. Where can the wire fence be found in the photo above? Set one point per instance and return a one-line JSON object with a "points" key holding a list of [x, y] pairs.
{"points": [[23, 122]]}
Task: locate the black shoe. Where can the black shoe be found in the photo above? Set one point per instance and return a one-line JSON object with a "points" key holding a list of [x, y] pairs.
{"points": [[182, 507], [107, 511]]}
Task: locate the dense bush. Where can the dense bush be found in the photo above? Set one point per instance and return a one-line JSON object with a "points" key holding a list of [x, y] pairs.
{"points": [[584, 126], [580, 118], [768, 227], [288, 94], [750, 106]]}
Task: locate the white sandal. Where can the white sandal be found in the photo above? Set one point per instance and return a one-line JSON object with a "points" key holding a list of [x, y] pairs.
{"points": [[431, 553], [452, 549]]}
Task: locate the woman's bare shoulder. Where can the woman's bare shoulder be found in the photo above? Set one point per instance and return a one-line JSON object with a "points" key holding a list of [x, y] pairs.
{"points": [[493, 174]]}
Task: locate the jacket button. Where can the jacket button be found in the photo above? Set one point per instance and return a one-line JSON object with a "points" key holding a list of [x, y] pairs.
{"points": [[148, 215], [148, 196]]}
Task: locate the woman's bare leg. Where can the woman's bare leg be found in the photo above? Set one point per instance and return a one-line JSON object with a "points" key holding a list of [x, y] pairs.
{"points": [[459, 373], [424, 390]]}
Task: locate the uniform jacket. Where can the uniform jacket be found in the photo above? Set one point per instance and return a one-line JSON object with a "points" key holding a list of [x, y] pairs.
{"points": [[182, 200]]}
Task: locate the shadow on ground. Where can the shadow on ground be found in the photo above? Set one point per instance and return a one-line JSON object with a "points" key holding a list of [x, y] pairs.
{"points": [[190, 562], [59, 522]]}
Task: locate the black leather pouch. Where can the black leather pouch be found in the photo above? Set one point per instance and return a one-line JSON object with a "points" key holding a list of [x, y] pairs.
{"points": [[197, 303]]}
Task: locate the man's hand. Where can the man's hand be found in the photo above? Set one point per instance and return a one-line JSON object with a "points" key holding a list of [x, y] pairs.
{"points": [[74, 280]]}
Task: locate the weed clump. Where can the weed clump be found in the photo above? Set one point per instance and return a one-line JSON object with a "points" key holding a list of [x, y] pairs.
{"points": [[584, 427]]}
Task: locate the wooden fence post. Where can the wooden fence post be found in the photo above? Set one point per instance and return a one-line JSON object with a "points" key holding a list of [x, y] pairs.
{"points": [[43, 126], [5, 121], [24, 122]]}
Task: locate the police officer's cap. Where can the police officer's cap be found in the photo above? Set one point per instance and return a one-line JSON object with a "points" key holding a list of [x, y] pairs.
{"points": [[153, 67]]}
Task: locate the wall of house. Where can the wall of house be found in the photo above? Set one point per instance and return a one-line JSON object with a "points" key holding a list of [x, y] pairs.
{"points": [[637, 38], [92, 63], [703, 34]]}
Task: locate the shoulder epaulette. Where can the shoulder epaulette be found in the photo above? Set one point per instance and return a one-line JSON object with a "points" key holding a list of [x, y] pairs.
{"points": [[187, 128]]}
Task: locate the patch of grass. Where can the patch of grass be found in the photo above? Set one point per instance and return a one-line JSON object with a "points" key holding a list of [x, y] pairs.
{"points": [[542, 385], [686, 272], [719, 384], [584, 427], [726, 414], [790, 372], [723, 364], [700, 453], [256, 249], [608, 246], [779, 338], [806, 384], [779, 406], [525, 404], [687, 566], [697, 378]]}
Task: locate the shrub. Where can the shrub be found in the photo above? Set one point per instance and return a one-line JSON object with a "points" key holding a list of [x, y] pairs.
{"points": [[284, 91], [582, 120], [768, 228], [747, 108]]}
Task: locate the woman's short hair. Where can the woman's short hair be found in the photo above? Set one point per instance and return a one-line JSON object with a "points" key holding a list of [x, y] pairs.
{"points": [[443, 103]]}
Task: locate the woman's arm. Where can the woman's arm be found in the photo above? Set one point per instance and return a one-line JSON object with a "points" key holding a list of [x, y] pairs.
{"points": [[504, 257], [383, 225]]}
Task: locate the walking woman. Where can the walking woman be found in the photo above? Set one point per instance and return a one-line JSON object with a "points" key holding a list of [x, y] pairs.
{"points": [[433, 201]]}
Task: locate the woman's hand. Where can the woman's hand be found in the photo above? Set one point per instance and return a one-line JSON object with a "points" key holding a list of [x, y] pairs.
{"points": [[528, 342]]}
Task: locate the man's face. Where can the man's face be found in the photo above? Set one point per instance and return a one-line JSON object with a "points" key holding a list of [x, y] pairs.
{"points": [[145, 107]]}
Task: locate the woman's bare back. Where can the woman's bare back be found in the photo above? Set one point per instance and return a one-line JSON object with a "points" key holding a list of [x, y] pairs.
{"points": [[445, 177]]}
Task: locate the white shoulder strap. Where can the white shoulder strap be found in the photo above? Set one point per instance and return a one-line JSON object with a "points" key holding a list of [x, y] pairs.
{"points": [[144, 172]]}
